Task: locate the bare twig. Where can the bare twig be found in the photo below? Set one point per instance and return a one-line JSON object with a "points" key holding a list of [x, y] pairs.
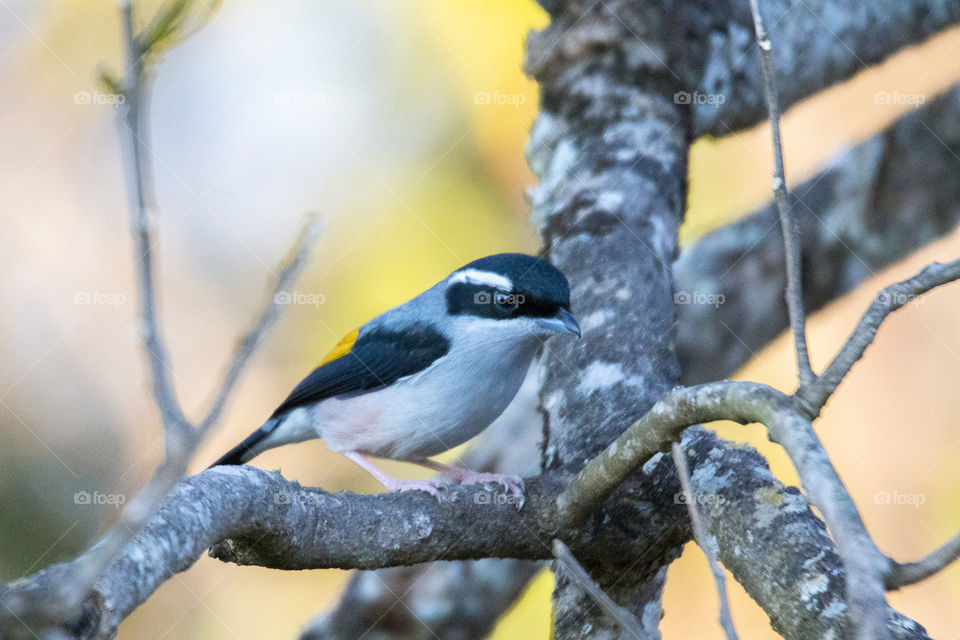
{"points": [[794, 291], [903, 574], [876, 203], [629, 624], [246, 346], [134, 132], [886, 302], [700, 534], [182, 438]]}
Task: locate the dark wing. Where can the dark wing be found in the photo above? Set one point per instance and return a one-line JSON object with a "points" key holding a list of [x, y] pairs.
{"points": [[377, 358]]}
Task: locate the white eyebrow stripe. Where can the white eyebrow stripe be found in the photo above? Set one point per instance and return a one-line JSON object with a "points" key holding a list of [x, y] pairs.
{"points": [[477, 276]]}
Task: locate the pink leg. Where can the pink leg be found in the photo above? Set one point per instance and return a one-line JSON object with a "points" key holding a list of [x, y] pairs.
{"points": [[511, 484], [432, 486]]}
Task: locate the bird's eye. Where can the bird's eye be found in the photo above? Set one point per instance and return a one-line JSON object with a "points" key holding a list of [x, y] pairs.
{"points": [[504, 302]]}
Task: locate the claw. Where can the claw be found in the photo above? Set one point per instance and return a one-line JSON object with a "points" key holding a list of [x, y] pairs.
{"points": [[432, 486], [513, 485]]}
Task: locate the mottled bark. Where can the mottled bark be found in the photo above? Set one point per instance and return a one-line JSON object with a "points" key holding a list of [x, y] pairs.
{"points": [[853, 223], [610, 148]]}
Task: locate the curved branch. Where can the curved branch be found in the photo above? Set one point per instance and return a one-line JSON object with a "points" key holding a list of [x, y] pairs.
{"points": [[875, 204], [788, 229], [819, 43], [747, 402], [903, 574]]}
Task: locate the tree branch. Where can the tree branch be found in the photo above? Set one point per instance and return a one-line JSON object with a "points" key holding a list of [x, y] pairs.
{"points": [[874, 204], [886, 302], [139, 178], [794, 289], [745, 402], [903, 574], [819, 43], [269, 521]]}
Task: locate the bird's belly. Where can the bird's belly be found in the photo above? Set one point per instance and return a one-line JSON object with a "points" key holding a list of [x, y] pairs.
{"points": [[423, 415]]}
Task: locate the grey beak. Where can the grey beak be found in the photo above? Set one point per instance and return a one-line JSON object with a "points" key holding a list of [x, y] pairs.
{"points": [[564, 322]]}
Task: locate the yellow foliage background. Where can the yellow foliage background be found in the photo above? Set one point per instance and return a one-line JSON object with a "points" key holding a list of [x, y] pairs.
{"points": [[372, 113]]}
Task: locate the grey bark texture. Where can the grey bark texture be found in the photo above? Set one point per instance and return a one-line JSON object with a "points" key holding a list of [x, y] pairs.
{"points": [[708, 46], [853, 223], [610, 149]]}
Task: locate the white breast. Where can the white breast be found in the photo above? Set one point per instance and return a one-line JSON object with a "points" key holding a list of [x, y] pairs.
{"points": [[440, 407]]}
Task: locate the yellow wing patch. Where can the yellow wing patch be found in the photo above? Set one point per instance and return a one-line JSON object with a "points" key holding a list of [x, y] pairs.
{"points": [[343, 347]]}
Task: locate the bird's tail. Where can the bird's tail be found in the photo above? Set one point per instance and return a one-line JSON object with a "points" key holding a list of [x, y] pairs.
{"points": [[252, 446]]}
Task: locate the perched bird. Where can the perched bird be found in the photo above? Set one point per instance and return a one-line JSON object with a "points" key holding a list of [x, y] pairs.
{"points": [[427, 375]]}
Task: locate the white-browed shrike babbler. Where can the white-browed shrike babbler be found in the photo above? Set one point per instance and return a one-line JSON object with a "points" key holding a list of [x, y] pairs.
{"points": [[427, 375]]}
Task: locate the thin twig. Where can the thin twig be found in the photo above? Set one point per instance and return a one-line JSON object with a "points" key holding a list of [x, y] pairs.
{"points": [[903, 574], [628, 622], [134, 133], [794, 292], [291, 270], [886, 302], [182, 438], [700, 535]]}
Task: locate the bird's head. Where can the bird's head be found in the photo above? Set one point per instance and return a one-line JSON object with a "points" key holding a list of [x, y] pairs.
{"points": [[520, 291]]}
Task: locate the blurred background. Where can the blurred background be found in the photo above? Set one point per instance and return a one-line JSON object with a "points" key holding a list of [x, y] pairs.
{"points": [[404, 123]]}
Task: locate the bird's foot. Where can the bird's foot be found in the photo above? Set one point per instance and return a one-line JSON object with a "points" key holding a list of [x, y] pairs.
{"points": [[433, 486], [512, 485]]}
